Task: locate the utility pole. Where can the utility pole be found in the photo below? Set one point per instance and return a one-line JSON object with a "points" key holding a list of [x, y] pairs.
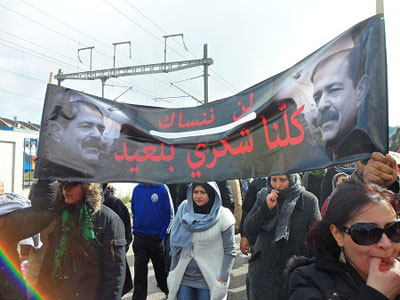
{"points": [[164, 67], [115, 49], [165, 43], [91, 50], [379, 6], [205, 54]]}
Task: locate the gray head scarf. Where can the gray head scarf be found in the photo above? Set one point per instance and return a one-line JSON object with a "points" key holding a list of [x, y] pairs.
{"points": [[287, 200]]}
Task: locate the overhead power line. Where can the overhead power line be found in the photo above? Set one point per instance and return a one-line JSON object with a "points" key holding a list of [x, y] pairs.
{"points": [[22, 75], [146, 92], [229, 87], [83, 33], [51, 59], [38, 55], [34, 21], [37, 45], [16, 94]]}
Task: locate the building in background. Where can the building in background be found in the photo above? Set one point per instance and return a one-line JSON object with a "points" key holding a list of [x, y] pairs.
{"points": [[18, 143]]}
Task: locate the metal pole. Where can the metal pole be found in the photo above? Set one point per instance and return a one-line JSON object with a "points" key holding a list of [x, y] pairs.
{"points": [[51, 77], [115, 46], [165, 48], [379, 6], [103, 82], [205, 74], [58, 80], [91, 50]]}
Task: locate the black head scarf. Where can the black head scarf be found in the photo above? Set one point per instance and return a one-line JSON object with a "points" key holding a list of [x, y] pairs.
{"points": [[205, 209]]}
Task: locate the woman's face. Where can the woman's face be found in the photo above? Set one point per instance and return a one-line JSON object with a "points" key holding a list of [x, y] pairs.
{"points": [[359, 256], [73, 194], [280, 182], [200, 196]]}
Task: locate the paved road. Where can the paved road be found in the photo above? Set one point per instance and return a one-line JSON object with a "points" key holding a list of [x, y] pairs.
{"points": [[237, 286]]}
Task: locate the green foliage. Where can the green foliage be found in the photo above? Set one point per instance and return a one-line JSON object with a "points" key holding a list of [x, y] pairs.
{"points": [[126, 199]]}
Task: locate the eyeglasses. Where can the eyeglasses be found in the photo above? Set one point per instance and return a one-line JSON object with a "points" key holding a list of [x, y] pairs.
{"points": [[69, 183], [365, 234]]}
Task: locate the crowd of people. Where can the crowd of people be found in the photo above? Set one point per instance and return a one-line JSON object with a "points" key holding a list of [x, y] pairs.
{"points": [[75, 236]]}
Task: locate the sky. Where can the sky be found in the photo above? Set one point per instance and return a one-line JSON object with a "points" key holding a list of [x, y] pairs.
{"points": [[248, 41]]}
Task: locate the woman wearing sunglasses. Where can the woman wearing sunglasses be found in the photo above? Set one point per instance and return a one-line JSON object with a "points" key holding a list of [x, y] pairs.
{"points": [[357, 244]]}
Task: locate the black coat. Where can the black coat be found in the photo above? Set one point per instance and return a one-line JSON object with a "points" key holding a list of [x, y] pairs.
{"points": [[100, 278], [250, 198], [270, 258], [21, 224], [122, 211], [325, 278]]}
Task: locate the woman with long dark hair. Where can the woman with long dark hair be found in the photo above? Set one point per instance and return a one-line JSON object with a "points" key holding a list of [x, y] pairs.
{"points": [[356, 245]]}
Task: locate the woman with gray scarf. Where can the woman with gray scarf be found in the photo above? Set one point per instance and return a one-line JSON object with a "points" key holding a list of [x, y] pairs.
{"points": [[281, 217]]}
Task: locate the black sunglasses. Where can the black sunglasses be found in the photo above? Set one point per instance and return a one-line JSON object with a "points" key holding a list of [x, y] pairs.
{"points": [[69, 183], [365, 234]]}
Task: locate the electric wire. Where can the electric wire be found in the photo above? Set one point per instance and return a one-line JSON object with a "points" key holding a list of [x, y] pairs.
{"points": [[230, 87], [22, 75], [50, 59], [68, 66], [65, 36], [40, 46], [26, 96]]}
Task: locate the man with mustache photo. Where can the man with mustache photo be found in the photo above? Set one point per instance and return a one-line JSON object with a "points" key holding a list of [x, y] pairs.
{"points": [[340, 87], [79, 130]]}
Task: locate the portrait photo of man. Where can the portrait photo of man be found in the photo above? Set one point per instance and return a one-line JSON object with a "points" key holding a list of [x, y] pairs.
{"points": [[78, 128], [340, 87]]}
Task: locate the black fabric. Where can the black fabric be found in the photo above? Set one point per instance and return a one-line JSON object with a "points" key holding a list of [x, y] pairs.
{"points": [[100, 278], [326, 185], [122, 211], [146, 247], [325, 278], [265, 272], [173, 190], [225, 189], [21, 224], [251, 196], [313, 184], [276, 134], [205, 209]]}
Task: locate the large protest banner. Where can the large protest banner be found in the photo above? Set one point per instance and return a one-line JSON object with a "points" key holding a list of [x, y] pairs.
{"points": [[329, 108]]}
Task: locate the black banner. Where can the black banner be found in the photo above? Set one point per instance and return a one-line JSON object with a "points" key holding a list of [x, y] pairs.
{"points": [[329, 108]]}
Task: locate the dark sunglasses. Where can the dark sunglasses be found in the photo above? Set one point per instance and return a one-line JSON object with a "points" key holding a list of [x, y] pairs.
{"points": [[365, 234], [69, 183]]}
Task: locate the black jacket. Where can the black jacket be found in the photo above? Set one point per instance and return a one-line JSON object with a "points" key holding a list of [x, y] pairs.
{"points": [[250, 198], [325, 278], [122, 211], [99, 278], [19, 225], [266, 265]]}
